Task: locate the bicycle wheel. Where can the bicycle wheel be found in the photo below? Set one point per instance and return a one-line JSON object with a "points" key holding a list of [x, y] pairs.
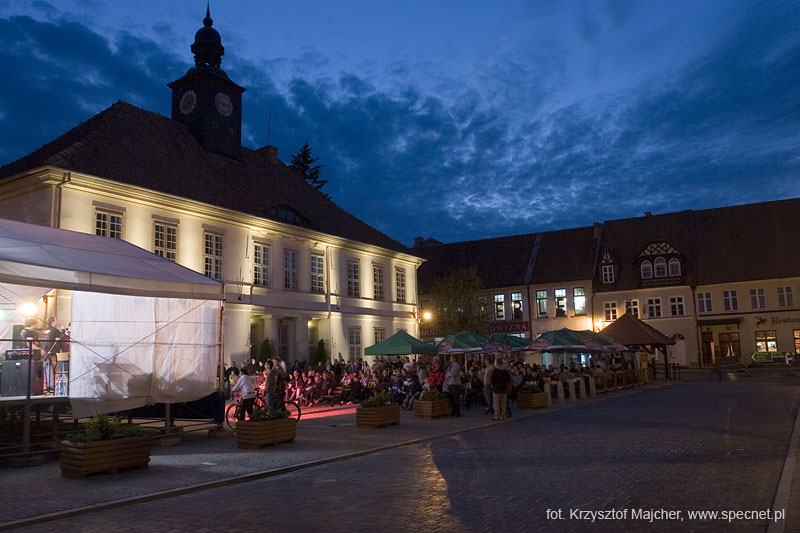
{"points": [[293, 409], [231, 415]]}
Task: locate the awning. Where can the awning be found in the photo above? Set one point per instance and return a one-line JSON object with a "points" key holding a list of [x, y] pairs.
{"points": [[719, 321], [401, 343]]}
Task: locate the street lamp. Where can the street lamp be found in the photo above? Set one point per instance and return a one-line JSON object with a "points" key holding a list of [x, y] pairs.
{"points": [[427, 315]]}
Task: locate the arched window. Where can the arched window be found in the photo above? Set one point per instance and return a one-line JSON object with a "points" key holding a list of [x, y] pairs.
{"points": [[647, 270], [674, 267], [660, 265]]}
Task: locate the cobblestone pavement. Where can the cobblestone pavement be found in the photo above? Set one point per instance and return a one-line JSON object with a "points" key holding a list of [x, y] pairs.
{"points": [[692, 446]]}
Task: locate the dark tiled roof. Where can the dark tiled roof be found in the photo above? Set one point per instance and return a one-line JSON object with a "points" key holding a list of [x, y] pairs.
{"points": [[501, 262], [630, 331], [130, 145]]}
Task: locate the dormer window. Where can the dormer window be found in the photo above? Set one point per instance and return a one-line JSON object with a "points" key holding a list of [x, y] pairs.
{"points": [[660, 267], [674, 267], [287, 214], [647, 270]]}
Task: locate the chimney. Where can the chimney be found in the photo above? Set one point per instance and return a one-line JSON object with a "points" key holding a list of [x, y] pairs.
{"points": [[418, 242], [648, 214], [270, 152], [596, 226]]}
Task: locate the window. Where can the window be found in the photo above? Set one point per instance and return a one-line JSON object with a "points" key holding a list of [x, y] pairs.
{"points": [[757, 299], [730, 300], [290, 270], [354, 338], [499, 307], [377, 283], [646, 270], [660, 267], [213, 256], [400, 278], [353, 283], [796, 334], [261, 256], [611, 311], [608, 273], [704, 302], [579, 301], [674, 267], [541, 303], [165, 240], [676, 305], [653, 307], [785, 298], [380, 335], [108, 224], [482, 312], [561, 301], [632, 308], [516, 305], [317, 273], [766, 341]]}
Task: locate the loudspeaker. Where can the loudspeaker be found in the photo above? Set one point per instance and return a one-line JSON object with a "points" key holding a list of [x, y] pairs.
{"points": [[14, 378]]}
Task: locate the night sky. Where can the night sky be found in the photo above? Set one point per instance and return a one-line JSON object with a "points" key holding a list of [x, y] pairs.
{"points": [[455, 119]]}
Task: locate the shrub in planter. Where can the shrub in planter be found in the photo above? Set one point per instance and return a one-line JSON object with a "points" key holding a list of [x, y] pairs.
{"points": [[431, 404], [378, 411], [530, 396], [265, 427], [106, 446]]}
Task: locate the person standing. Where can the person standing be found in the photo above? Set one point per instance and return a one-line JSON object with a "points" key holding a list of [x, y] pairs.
{"points": [[248, 390], [501, 385], [487, 387], [453, 383]]}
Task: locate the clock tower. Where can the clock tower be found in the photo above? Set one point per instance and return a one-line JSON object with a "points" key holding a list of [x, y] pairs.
{"points": [[206, 100]]}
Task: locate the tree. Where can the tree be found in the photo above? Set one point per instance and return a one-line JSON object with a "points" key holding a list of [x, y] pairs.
{"points": [[303, 163], [460, 305]]}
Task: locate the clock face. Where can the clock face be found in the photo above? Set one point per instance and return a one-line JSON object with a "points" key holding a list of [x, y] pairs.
{"points": [[223, 104], [188, 101]]}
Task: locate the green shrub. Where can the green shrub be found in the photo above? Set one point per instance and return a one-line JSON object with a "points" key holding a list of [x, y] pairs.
{"points": [[431, 395], [262, 414], [531, 386], [379, 399], [103, 427]]}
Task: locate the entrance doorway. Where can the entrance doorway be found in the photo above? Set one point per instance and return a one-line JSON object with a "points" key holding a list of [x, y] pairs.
{"points": [[729, 345], [707, 346]]}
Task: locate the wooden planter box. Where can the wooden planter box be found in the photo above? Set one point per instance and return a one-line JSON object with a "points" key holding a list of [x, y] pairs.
{"points": [[532, 400], [81, 458], [432, 408], [375, 417], [257, 434]]}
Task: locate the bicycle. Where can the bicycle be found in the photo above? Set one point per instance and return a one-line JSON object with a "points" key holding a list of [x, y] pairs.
{"points": [[232, 412]]}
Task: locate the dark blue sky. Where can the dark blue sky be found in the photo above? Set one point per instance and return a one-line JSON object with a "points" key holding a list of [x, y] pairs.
{"points": [[452, 119]]}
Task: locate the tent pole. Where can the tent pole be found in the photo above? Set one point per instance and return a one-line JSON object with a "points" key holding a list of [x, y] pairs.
{"points": [[26, 422]]}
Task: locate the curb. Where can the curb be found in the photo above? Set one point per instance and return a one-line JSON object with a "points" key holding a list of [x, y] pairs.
{"points": [[782, 493], [301, 466]]}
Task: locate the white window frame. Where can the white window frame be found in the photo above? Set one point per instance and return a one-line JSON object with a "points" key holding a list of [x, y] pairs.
{"points": [[785, 297], [758, 299], [291, 260], [730, 300], [607, 272], [646, 270], [660, 267], [610, 311], [704, 302], [560, 295], [213, 255], [400, 285], [316, 266], [654, 308], [579, 297], [541, 303], [499, 307], [516, 306], [676, 306], [353, 279], [354, 343], [165, 240], [377, 283], [676, 271], [632, 308], [262, 255], [108, 223], [379, 335]]}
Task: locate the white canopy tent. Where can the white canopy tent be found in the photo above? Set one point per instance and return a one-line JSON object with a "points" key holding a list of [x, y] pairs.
{"points": [[144, 329]]}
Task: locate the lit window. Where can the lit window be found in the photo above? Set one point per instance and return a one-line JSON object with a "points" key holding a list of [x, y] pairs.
{"points": [[516, 305], [317, 273], [730, 300], [108, 224], [676, 305], [608, 273], [353, 280], [400, 278], [654, 307], [499, 307], [757, 299], [579, 301], [213, 256], [704, 302], [377, 283], [647, 270], [541, 303], [674, 267], [290, 270], [610, 311], [165, 240], [766, 341], [785, 298], [660, 267], [261, 256], [560, 296], [632, 308], [482, 311], [354, 338]]}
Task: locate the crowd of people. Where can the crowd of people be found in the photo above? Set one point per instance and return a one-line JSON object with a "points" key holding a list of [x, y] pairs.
{"points": [[489, 381]]}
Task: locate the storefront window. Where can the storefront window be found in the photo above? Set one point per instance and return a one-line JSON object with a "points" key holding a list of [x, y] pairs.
{"points": [[796, 341], [766, 341]]}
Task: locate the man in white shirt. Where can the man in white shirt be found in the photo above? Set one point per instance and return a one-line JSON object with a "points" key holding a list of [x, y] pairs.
{"points": [[246, 386]]}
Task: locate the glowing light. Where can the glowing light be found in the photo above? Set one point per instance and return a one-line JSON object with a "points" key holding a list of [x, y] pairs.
{"points": [[28, 309], [308, 323], [427, 315]]}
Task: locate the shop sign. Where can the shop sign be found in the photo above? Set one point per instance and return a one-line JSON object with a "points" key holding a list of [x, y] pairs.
{"points": [[776, 320], [509, 327], [430, 332]]}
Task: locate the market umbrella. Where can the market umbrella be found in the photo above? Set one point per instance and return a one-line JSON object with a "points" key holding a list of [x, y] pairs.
{"points": [[563, 340], [401, 343], [466, 341], [509, 343]]}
